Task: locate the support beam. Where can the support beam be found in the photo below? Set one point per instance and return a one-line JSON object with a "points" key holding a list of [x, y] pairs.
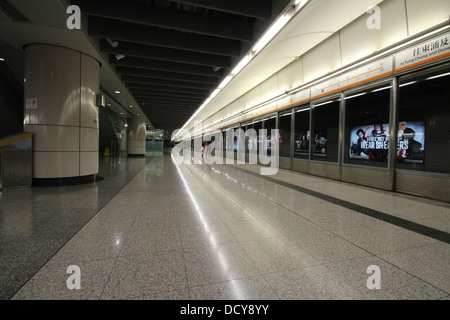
{"points": [[179, 84], [140, 86], [167, 93], [171, 99], [165, 75], [162, 97], [168, 102], [121, 31], [159, 65], [144, 13], [165, 54], [259, 9]]}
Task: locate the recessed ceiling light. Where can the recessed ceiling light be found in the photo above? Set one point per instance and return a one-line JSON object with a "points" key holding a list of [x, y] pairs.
{"points": [[117, 91], [131, 106]]}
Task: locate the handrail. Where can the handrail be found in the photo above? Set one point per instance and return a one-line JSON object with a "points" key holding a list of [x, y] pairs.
{"points": [[14, 138]]}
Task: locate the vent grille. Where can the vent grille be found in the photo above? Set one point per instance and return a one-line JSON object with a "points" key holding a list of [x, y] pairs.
{"points": [[14, 14]]}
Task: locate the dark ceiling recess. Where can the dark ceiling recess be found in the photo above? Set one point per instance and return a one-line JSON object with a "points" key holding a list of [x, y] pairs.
{"points": [[173, 54]]}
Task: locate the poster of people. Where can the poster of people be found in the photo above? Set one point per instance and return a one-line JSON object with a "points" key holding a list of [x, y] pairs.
{"points": [[370, 142], [411, 142], [301, 144], [320, 143]]}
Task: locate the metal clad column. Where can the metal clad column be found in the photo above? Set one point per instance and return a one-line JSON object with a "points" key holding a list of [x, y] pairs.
{"points": [[60, 111], [136, 137]]}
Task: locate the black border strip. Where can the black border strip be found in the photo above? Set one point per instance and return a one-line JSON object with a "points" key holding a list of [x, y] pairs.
{"points": [[400, 222]]}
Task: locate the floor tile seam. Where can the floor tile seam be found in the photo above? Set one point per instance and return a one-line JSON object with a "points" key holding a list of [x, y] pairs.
{"points": [[320, 263], [360, 289], [280, 229], [409, 273], [237, 240], [403, 223], [316, 225], [126, 237], [63, 245], [231, 280], [402, 196]]}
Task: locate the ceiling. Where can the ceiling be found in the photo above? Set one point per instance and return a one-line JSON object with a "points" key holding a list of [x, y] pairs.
{"points": [[172, 54]]}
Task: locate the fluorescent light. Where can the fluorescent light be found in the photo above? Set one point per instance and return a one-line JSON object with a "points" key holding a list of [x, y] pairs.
{"points": [[356, 95], [380, 89], [273, 31], [438, 76], [225, 81], [407, 84], [241, 65], [2, 59], [267, 37], [117, 91]]}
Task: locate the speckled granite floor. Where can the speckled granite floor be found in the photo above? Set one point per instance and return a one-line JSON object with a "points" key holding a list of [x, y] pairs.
{"points": [[219, 232]]}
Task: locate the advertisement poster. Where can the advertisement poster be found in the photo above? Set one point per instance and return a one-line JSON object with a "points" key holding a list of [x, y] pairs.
{"points": [[301, 144], [370, 142], [320, 144], [411, 142]]}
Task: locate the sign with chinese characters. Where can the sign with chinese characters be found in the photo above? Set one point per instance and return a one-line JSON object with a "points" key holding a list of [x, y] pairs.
{"points": [[423, 52], [366, 73]]}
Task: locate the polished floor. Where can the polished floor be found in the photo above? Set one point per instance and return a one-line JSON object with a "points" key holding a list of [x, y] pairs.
{"points": [[156, 230]]}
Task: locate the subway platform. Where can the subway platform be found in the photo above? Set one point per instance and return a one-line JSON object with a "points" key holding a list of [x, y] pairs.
{"points": [[155, 230]]}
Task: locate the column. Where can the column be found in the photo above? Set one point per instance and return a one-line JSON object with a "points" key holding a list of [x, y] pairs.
{"points": [[60, 110], [136, 137]]}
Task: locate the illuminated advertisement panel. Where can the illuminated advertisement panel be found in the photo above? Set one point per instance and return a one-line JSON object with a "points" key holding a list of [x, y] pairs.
{"points": [[369, 142]]}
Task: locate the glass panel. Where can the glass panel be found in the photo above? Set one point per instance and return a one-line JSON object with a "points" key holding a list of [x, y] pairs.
{"points": [[301, 134], [284, 125], [366, 137], [326, 131], [269, 125], [257, 125], [424, 123]]}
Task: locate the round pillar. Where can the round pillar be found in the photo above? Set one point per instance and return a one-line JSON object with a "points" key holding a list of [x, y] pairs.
{"points": [[136, 137], [60, 110]]}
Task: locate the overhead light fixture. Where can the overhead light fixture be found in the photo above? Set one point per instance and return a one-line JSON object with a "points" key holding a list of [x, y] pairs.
{"points": [[215, 69], [113, 43], [131, 106], [2, 59], [274, 29], [117, 91], [120, 56]]}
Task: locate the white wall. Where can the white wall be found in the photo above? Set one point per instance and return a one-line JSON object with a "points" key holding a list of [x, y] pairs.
{"points": [[399, 19]]}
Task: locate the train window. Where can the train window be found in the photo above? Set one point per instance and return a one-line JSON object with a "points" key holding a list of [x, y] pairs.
{"points": [[301, 133], [367, 129], [424, 122], [284, 126], [325, 138]]}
